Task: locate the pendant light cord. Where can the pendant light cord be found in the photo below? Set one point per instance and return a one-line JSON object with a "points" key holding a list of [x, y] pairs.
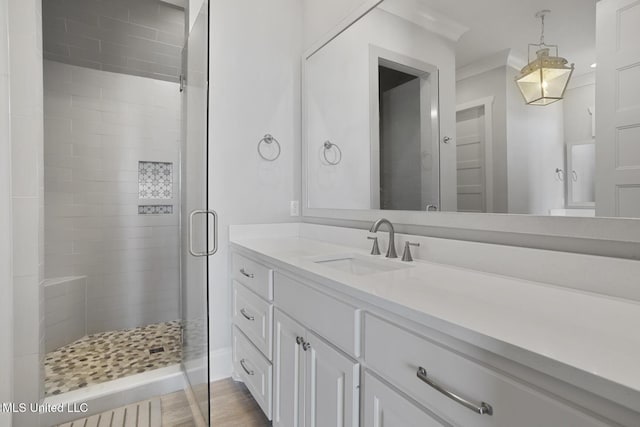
{"points": [[542, 14]]}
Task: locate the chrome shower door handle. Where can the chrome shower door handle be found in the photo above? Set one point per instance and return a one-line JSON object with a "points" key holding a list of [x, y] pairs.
{"points": [[214, 249]]}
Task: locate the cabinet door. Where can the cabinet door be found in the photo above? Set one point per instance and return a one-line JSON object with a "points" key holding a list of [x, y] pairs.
{"points": [[331, 386], [288, 368], [383, 407]]}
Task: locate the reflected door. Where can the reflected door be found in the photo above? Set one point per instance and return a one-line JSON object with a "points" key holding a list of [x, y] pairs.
{"points": [[470, 160], [618, 107], [197, 221]]}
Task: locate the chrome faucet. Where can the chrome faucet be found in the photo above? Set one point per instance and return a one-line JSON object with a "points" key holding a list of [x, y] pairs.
{"points": [[391, 252]]}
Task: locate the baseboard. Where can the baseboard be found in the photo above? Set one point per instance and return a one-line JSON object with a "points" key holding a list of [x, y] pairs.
{"points": [[221, 364]]}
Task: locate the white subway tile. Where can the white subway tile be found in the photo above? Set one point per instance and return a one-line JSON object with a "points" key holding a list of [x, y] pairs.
{"points": [[132, 261], [26, 314], [25, 157], [25, 236]]}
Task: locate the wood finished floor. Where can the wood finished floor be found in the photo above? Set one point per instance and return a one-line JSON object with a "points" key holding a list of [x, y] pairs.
{"points": [[231, 406]]}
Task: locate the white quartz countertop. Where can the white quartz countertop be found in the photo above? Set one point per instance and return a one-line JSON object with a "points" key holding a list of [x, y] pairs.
{"points": [[587, 333]]}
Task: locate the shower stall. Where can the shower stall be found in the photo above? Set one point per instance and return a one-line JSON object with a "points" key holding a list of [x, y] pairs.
{"points": [[128, 231]]}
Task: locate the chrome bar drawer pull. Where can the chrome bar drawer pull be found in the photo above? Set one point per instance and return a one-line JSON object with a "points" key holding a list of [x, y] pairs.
{"points": [[247, 316], [482, 409], [247, 370], [245, 274]]}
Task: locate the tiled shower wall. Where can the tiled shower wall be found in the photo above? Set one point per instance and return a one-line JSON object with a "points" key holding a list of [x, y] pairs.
{"points": [[98, 127]]}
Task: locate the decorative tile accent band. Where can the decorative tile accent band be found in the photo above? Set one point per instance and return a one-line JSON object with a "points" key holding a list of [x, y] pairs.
{"points": [[155, 180], [155, 209]]}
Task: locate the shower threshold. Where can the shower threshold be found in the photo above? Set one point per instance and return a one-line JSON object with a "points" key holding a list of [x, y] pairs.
{"points": [[108, 395]]}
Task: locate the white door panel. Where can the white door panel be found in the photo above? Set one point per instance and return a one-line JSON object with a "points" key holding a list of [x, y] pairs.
{"points": [[470, 149], [331, 386], [618, 106], [288, 372]]}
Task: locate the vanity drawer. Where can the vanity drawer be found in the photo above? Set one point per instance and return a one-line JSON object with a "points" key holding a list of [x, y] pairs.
{"points": [[253, 275], [254, 370], [384, 407], [254, 317], [334, 320], [397, 354]]}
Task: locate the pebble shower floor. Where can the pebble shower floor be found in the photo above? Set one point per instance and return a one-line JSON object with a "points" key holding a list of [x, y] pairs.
{"points": [[107, 356]]}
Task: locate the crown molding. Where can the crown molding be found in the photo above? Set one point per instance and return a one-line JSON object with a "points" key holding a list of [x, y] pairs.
{"points": [[586, 79], [503, 58]]}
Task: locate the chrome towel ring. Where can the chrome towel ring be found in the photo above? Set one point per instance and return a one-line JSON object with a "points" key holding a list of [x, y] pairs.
{"points": [[269, 139], [329, 146]]}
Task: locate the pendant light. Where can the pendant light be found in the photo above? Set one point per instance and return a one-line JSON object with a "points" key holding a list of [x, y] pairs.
{"points": [[544, 80]]}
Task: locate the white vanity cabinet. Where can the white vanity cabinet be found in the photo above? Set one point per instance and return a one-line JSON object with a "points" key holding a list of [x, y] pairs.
{"points": [[254, 369], [252, 334], [252, 274], [254, 317], [317, 339], [309, 353], [384, 407], [314, 384], [288, 384], [457, 388]]}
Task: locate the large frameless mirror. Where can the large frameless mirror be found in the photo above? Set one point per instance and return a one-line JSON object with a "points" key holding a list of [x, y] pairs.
{"points": [[484, 107]]}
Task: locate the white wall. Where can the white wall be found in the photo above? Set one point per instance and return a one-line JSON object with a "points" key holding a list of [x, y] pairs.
{"points": [[98, 126], [577, 100], [338, 103], [6, 273], [255, 89], [535, 149], [321, 17], [25, 72], [492, 83]]}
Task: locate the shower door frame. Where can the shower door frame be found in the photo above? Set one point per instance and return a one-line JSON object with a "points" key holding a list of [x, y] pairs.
{"points": [[196, 217]]}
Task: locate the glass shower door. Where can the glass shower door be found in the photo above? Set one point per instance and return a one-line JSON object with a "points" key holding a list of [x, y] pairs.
{"points": [[198, 223]]}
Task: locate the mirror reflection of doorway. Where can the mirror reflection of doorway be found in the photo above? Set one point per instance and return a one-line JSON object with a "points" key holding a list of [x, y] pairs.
{"points": [[581, 166], [408, 167], [400, 165]]}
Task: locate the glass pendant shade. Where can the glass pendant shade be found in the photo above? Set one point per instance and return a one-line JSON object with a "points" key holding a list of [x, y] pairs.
{"points": [[544, 80]]}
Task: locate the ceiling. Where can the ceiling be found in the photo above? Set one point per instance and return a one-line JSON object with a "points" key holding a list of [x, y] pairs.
{"points": [[137, 37], [496, 25]]}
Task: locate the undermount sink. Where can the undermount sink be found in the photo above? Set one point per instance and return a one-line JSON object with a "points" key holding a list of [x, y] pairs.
{"points": [[358, 265]]}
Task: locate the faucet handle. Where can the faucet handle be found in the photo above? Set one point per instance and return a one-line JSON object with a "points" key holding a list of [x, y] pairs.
{"points": [[375, 250], [406, 255]]}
